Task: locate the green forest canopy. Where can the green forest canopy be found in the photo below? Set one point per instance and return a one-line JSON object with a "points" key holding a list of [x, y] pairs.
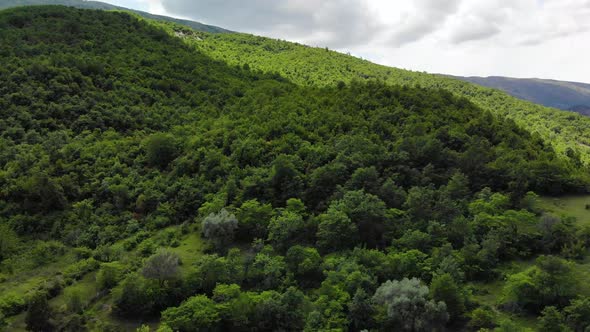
{"points": [[326, 206]]}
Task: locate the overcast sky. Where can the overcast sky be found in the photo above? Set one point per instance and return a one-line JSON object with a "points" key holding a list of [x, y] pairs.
{"points": [[519, 38]]}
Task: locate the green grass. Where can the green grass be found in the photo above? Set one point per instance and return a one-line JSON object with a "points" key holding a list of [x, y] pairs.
{"points": [[571, 206], [24, 280], [190, 249]]}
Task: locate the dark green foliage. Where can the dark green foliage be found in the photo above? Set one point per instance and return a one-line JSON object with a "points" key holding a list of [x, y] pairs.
{"points": [[286, 229], [482, 318], [109, 275], [445, 289], [39, 315], [361, 311], [160, 150], [105, 6], [336, 231], [253, 219], [305, 264], [552, 320], [8, 241], [133, 299], [577, 314]]}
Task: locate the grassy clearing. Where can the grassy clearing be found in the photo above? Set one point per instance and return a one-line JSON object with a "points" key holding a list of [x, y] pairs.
{"points": [[490, 294], [27, 280], [571, 206], [190, 249]]}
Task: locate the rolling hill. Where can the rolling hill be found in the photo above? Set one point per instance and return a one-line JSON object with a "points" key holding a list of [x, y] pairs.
{"points": [[146, 185], [569, 96], [567, 132]]}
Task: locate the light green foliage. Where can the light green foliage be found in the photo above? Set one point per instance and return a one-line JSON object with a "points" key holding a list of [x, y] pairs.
{"points": [[573, 206], [329, 314], [550, 282], [196, 314], [143, 328]]}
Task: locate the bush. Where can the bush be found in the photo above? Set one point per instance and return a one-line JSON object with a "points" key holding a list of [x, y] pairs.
{"points": [[482, 318], [198, 313], [79, 269], [46, 252], [11, 304], [109, 275], [160, 150]]}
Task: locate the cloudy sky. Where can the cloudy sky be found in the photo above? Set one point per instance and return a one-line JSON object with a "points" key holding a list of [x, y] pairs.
{"points": [[519, 38]]}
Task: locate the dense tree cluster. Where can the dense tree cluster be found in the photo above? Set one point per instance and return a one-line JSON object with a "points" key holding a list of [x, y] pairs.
{"points": [[360, 206]]}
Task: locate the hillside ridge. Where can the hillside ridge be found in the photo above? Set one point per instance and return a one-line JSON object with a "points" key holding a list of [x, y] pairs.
{"points": [[305, 65], [90, 4]]}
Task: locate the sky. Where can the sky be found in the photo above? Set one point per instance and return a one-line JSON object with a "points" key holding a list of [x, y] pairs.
{"points": [[517, 38]]}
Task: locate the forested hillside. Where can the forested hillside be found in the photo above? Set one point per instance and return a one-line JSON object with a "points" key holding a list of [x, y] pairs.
{"points": [[569, 133], [144, 182]]}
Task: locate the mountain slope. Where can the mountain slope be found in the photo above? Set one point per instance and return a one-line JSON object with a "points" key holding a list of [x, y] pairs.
{"points": [[570, 96], [84, 4], [143, 181], [567, 132]]}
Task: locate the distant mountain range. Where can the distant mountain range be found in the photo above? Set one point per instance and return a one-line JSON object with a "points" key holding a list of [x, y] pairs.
{"points": [[571, 96], [82, 4]]}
